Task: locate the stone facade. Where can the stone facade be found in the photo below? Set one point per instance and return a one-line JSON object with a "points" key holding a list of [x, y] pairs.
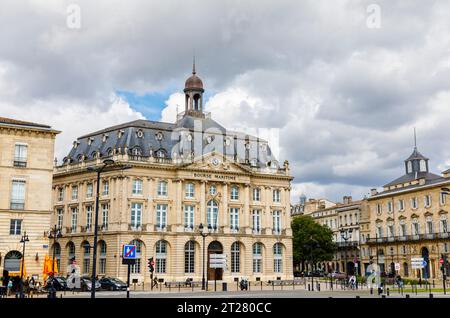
{"points": [[173, 186], [26, 167], [408, 219]]}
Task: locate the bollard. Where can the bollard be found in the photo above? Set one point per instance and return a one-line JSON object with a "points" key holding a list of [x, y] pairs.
{"points": [[179, 286], [387, 291], [273, 287], [357, 296], [383, 296], [407, 295], [431, 295], [371, 290], [261, 285], [170, 288]]}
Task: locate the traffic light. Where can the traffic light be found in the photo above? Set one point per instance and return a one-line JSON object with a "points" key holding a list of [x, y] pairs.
{"points": [[151, 265]]}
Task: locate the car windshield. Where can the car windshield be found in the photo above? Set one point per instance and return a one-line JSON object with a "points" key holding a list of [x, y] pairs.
{"points": [[117, 281]]}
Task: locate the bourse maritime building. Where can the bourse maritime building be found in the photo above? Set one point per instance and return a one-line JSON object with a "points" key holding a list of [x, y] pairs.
{"points": [[182, 174]]}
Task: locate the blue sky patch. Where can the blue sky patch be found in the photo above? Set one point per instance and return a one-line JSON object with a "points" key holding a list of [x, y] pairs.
{"points": [[150, 105]]}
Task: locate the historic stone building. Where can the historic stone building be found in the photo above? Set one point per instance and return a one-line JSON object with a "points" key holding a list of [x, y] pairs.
{"points": [[343, 219], [182, 174], [26, 167], [408, 219]]}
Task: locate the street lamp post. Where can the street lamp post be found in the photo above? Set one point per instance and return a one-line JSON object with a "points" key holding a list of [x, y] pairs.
{"points": [[24, 239], [204, 235], [392, 261], [54, 234], [99, 170], [346, 234]]}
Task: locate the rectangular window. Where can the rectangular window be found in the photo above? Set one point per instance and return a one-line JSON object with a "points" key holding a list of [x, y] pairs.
{"points": [[136, 268], [105, 190], [414, 203], [89, 190], [105, 208], [60, 194], [102, 269], [18, 195], [74, 192], [256, 194], [430, 227], [389, 206], [427, 201], [189, 190], [234, 193], [416, 230], [162, 188], [403, 230], [20, 155], [444, 227], [379, 231], [189, 217], [276, 195], [136, 215], [74, 220], [442, 198], [15, 227], [160, 265], [401, 205], [379, 208], [59, 218], [391, 231], [276, 217], [256, 221], [234, 219], [88, 217], [137, 187], [161, 216], [257, 265]]}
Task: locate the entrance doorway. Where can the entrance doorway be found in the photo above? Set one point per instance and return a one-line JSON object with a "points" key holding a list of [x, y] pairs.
{"points": [[214, 273]]}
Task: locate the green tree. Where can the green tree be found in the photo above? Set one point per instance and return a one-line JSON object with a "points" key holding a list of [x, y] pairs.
{"points": [[311, 241]]}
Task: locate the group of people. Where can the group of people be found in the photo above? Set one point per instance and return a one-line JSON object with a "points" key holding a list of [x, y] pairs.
{"points": [[12, 285]]}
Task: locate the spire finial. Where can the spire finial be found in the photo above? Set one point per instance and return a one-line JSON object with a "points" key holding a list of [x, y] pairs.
{"points": [[193, 64], [415, 139]]}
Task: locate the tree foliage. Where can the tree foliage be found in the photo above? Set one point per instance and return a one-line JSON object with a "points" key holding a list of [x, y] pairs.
{"points": [[311, 239]]}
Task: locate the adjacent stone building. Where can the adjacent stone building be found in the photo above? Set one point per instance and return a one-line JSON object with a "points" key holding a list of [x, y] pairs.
{"points": [[26, 167], [183, 174], [408, 219]]}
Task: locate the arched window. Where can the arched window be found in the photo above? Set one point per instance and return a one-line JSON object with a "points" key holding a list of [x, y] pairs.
{"points": [[235, 258], [86, 257], [136, 268], [212, 215], [189, 257], [161, 257], [405, 269], [234, 193], [257, 258], [12, 261], [162, 188], [71, 248], [278, 258], [102, 260], [409, 167]]}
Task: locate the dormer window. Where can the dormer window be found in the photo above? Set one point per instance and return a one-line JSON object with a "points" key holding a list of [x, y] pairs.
{"points": [[136, 151], [80, 158], [263, 147], [120, 134], [159, 136], [90, 141], [140, 133], [189, 137], [409, 167], [75, 144], [227, 142], [209, 139], [105, 137], [110, 152]]}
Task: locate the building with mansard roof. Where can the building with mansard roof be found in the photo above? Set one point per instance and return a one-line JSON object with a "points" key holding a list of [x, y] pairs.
{"points": [[408, 220], [183, 174]]}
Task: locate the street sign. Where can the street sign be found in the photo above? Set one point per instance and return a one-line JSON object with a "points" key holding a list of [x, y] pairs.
{"points": [[397, 266], [418, 263], [218, 261], [129, 252]]}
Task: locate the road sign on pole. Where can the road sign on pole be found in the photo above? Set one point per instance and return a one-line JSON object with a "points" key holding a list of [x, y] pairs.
{"points": [[397, 266], [218, 261], [418, 263]]}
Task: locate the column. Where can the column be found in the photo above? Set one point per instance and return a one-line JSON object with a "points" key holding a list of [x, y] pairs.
{"points": [[202, 212], [267, 218], [178, 204], [246, 213]]}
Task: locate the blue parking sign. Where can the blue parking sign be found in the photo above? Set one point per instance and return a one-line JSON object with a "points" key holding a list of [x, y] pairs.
{"points": [[129, 252]]}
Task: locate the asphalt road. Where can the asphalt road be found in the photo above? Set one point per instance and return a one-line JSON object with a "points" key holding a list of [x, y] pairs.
{"points": [[253, 294]]}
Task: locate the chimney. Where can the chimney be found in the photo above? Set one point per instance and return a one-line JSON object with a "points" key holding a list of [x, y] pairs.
{"points": [[373, 191], [347, 199]]}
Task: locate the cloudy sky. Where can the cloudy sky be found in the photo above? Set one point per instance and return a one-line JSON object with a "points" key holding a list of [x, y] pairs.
{"points": [[343, 82]]}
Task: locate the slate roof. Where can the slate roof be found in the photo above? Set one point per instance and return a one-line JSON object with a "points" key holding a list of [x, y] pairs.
{"points": [[416, 155], [412, 176], [141, 135], [4, 120]]}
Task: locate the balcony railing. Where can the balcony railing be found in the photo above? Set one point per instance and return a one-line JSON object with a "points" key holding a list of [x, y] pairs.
{"points": [[20, 162], [17, 204], [405, 238]]}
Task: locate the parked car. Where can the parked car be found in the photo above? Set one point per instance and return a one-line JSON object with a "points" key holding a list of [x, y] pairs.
{"points": [[338, 275], [86, 284], [110, 283], [315, 273], [59, 283]]}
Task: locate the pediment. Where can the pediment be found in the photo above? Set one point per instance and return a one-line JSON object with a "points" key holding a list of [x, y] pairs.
{"points": [[442, 212], [402, 217], [428, 213], [216, 162], [414, 216]]}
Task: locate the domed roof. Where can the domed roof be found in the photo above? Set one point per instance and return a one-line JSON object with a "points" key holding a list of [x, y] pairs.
{"points": [[193, 82]]}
